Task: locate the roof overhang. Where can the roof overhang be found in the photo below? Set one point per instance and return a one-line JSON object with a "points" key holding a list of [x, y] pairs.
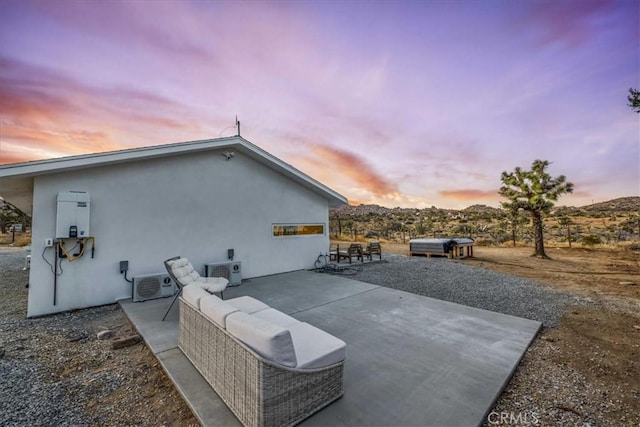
{"points": [[16, 180]]}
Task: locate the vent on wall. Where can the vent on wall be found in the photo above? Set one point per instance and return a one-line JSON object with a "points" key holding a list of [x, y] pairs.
{"points": [[152, 286], [232, 271]]}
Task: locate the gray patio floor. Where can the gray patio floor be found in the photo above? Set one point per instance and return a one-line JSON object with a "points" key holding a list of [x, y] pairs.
{"points": [[411, 360]]}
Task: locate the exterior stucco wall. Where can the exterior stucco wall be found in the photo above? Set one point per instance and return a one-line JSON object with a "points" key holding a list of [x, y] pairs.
{"points": [[194, 205]]}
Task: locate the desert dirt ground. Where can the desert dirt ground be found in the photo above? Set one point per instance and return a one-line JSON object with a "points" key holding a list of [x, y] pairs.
{"points": [[595, 347], [601, 343]]}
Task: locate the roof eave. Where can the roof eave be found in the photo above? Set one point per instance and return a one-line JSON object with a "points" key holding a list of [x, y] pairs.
{"points": [[62, 164], [83, 161]]}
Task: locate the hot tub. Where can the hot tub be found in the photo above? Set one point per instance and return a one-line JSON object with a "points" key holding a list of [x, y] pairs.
{"points": [[451, 248]]}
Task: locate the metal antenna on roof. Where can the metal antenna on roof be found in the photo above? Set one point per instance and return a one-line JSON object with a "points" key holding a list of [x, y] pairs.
{"points": [[224, 130], [238, 124]]}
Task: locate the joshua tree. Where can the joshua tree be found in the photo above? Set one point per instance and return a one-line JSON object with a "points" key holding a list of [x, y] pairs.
{"points": [[533, 191], [634, 99]]}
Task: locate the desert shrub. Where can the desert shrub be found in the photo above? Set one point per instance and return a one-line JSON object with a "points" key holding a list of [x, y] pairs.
{"points": [[350, 238], [483, 241], [20, 239], [591, 240], [24, 240], [634, 247], [371, 234]]}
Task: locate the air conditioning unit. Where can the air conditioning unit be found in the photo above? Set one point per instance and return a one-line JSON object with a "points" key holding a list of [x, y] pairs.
{"points": [[231, 271], [152, 286]]}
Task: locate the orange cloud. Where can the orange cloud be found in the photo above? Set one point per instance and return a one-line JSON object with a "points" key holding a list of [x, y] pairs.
{"points": [[469, 194], [354, 169], [46, 115], [582, 194], [34, 144], [7, 157]]}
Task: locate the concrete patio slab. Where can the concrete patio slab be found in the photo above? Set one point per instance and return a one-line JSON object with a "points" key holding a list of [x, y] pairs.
{"points": [[159, 336], [299, 290], [411, 360]]}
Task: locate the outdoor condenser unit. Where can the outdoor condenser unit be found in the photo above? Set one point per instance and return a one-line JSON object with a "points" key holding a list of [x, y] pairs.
{"points": [[232, 271], [152, 286]]}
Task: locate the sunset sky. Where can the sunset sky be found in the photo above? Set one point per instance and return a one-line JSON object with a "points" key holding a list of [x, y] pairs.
{"points": [[399, 103]]}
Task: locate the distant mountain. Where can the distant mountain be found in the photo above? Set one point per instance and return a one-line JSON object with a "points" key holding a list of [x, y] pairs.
{"points": [[622, 204], [481, 209], [372, 209]]}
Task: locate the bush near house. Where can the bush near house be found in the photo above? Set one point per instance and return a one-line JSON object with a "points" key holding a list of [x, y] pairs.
{"points": [[21, 240]]}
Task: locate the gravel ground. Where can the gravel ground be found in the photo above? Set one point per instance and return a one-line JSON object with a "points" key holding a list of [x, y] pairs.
{"points": [[54, 371], [453, 281], [27, 397]]}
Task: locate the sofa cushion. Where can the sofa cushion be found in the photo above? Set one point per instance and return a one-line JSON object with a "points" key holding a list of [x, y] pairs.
{"points": [[276, 317], [193, 294], [216, 309], [248, 304], [315, 348], [271, 341]]}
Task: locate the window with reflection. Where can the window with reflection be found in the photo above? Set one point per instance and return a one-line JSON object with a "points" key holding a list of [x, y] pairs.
{"points": [[282, 230]]}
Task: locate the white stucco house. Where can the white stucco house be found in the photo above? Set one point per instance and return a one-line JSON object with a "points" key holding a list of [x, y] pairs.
{"points": [[144, 205]]}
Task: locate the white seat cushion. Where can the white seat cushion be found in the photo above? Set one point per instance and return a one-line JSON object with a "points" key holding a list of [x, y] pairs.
{"points": [[185, 274], [315, 348], [193, 295], [216, 309], [247, 304], [276, 317], [271, 341], [211, 284], [183, 271]]}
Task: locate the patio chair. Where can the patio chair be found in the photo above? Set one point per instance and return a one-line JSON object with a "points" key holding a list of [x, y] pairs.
{"points": [[183, 274], [354, 250], [333, 252], [373, 248]]}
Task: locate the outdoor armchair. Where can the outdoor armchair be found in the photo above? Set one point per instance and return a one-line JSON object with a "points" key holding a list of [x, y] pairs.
{"points": [[333, 252], [373, 248], [354, 250], [183, 274]]}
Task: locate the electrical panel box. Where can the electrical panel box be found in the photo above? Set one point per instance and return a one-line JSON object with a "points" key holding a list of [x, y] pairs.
{"points": [[73, 215]]}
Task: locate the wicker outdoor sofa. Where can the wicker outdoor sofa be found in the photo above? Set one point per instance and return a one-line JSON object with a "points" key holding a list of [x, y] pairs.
{"points": [[289, 371]]}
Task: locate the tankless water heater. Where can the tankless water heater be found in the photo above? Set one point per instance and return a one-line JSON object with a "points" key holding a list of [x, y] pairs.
{"points": [[73, 215]]}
